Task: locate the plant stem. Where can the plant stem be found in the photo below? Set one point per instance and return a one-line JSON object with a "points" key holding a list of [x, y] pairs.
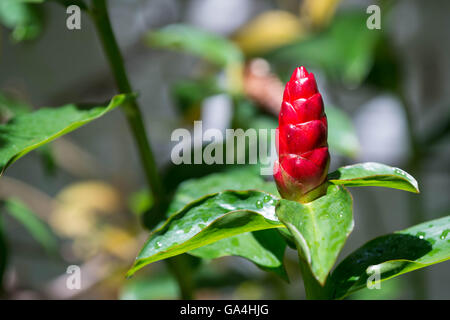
{"points": [[131, 109], [314, 290], [180, 268], [99, 13]]}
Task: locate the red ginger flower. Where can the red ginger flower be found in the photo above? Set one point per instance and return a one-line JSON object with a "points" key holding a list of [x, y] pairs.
{"points": [[302, 138]]}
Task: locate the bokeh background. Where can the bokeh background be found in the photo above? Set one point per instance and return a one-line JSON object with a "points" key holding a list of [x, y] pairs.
{"points": [[387, 90]]}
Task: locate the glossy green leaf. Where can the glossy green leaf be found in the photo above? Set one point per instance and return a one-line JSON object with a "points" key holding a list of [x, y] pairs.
{"points": [[10, 107], [374, 174], [392, 255], [35, 226], [27, 132], [209, 219], [184, 38], [235, 179], [319, 228], [264, 248], [342, 136], [25, 19]]}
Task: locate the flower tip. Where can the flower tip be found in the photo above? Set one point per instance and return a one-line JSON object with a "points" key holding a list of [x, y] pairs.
{"points": [[299, 73]]}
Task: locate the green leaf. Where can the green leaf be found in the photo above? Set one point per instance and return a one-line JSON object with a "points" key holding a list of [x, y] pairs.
{"points": [[265, 248], [209, 219], [161, 287], [184, 38], [11, 107], [375, 175], [27, 132], [189, 94], [342, 136], [345, 51], [319, 228], [35, 226], [31, 1], [25, 19], [235, 179], [393, 254], [140, 202]]}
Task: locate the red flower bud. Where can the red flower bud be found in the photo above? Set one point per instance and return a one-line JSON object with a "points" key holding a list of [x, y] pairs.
{"points": [[302, 138]]}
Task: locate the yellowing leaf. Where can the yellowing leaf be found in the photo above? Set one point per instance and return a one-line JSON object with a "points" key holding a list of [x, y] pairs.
{"points": [[318, 12], [77, 207], [92, 195], [269, 30], [118, 242]]}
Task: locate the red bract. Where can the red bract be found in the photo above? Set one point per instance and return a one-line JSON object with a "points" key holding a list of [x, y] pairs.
{"points": [[302, 138]]}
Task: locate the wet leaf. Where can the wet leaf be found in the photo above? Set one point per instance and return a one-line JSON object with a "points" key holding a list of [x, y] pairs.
{"points": [[392, 255], [319, 228], [264, 248], [374, 174], [209, 219]]}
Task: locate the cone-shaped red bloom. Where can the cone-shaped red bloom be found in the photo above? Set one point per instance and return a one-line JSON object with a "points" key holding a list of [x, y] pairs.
{"points": [[303, 156]]}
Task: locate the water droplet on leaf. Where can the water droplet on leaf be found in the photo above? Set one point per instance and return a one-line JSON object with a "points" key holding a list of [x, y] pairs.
{"points": [[158, 245], [444, 234], [421, 235]]}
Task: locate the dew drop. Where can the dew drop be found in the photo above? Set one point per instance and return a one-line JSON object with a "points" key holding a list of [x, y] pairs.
{"points": [[444, 234], [259, 204], [158, 245], [421, 235], [267, 199]]}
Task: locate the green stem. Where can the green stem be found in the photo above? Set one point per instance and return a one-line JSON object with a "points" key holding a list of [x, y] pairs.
{"points": [[314, 290], [179, 266], [131, 109], [99, 13]]}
